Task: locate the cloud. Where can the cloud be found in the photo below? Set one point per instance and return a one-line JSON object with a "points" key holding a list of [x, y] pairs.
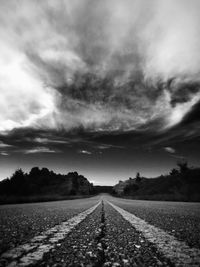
{"points": [[107, 146], [4, 153], [101, 66], [177, 40], [170, 149], [85, 152], [6, 147], [47, 141], [3, 145], [40, 150], [102, 147], [179, 157]]}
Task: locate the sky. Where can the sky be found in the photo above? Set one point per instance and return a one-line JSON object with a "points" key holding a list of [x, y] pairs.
{"points": [[106, 88]]}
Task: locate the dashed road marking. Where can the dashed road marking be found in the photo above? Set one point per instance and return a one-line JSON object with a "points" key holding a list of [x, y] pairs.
{"points": [[177, 251], [33, 251]]}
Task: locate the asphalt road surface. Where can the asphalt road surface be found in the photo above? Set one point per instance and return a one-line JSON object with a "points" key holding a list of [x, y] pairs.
{"points": [[100, 231]]}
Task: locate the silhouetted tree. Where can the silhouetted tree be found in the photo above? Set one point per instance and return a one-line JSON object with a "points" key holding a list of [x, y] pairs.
{"points": [[174, 172], [5, 187], [35, 171], [138, 178], [72, 192], [45, 182], [183, 165], [18, 182], [130, 189]]}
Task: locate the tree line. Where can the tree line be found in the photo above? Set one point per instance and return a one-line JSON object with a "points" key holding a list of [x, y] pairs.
{"points": [[43, 181]]}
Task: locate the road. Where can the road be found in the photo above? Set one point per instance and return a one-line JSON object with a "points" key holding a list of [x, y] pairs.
{"points": [[100, 231]]}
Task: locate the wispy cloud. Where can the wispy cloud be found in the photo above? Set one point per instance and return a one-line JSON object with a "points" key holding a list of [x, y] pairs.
{"points": [[107, 146], [4, 153], [5, 148], [103, 147], [170, 149], [40, 150], [4, 145], [85, 152], [49, 141], [179, 157]]}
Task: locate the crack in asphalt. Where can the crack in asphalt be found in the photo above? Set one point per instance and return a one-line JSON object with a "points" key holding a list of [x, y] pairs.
{"points": [[101, 245], [103, 236]]}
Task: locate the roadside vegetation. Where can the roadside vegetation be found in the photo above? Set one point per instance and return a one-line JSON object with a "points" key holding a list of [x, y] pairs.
{"points": [[43, 185], [181, 184]]}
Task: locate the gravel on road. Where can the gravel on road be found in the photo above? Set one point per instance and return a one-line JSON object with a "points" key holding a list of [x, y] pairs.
{"points": [[180, 219], [21, 222], [103, 237]]}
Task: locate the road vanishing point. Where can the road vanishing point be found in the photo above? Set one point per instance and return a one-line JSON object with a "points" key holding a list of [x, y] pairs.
{"points": [[100, 231]]}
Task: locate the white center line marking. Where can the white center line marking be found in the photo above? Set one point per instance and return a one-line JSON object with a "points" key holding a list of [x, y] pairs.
{"points": [[33, 251], [177, 251]]}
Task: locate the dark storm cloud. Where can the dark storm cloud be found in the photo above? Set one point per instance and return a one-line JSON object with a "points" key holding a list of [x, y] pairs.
{"points": [[193, 116], [98, 66]]}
